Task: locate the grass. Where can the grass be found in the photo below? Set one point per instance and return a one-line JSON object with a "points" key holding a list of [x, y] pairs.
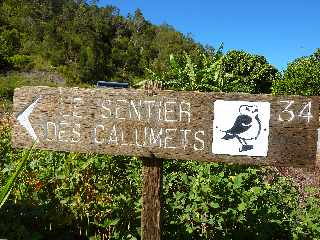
{"points": [[6, 189]]}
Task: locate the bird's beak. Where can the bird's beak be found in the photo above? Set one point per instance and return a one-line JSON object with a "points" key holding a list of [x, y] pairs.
{"points": [[256, 110]]}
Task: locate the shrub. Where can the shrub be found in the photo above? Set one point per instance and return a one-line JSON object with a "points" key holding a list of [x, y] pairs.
{"points": [[82, 195], [20, 61], [302, 77], [215, 201], [236, 71]]}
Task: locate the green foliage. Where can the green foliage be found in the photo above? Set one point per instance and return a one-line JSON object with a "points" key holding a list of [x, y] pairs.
{"points": [[6, 189], [302, 77], [14, 79], [19, 61], [9, 42], [307, 216], [215, 201], [89, 43], [251, 72], [9, 45], [236, 71], [7, 86], [72, 195]]}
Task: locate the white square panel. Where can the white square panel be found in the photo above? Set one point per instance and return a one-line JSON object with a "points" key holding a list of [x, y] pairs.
{"points": [[241, 128]]}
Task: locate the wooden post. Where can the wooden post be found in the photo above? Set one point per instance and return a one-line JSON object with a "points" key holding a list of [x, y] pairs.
{"points": [[151, 199]]}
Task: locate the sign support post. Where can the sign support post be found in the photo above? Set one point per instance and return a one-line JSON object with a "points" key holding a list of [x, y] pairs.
{"points": [[151, 191], [151, 199]]}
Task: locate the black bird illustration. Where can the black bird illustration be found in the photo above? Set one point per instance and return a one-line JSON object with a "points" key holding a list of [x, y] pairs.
{"points": [[247, 126]]}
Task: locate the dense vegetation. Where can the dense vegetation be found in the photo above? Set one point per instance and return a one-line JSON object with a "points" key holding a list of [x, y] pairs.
{"points": [[85, 43], [73, 196]]}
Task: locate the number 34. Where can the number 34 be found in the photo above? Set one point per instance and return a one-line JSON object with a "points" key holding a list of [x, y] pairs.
{"points": [[288, 114]]}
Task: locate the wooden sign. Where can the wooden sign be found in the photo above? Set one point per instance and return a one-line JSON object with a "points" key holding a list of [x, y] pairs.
{"points": [[238, 128]]}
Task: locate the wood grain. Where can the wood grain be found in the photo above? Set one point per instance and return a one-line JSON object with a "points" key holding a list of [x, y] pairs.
{"points": [[151, 199], [113, 122]]}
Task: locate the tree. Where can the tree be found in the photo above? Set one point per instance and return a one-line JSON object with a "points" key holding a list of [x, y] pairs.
{"points": [[252, 72], [302, 77]]}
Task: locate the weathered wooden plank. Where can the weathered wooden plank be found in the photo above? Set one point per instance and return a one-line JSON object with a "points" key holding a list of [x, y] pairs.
{"points": [[166, 124]]}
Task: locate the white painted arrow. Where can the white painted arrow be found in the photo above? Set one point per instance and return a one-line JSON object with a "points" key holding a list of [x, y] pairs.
{"points": [[23, 119]]}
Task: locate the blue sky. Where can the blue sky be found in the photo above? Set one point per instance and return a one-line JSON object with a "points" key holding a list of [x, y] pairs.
{"points": [[280, 30]]}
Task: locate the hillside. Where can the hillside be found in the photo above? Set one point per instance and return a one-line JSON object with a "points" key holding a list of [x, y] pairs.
{"points": [[84, 42]]}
